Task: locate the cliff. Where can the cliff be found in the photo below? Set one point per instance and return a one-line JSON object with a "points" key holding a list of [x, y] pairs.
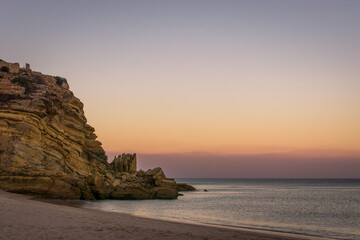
{"points": [[48, 149]]}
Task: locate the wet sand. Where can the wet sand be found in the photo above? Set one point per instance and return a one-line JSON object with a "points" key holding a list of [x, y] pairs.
{"points": [[22, 217]]}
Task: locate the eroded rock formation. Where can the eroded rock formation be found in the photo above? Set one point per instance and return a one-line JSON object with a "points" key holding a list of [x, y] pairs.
{"points": [[124, 163], [47, 148]]}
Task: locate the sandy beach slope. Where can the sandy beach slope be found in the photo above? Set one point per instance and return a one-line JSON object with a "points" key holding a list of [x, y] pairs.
{"points": [[24, 218]]}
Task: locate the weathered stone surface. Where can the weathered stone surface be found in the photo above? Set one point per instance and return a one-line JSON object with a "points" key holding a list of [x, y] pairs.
{"points": [[47, 148], [144, 185], [156, 173], [183, 187], [45, 186], [133, 193], [124, 163], [165, 193], [166, 182], [13, 67]]}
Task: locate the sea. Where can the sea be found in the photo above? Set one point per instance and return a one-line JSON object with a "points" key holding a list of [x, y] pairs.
{"points": [[318, 207]]}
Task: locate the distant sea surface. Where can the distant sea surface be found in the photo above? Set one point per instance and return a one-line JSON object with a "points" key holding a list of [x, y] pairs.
{"points": [[321, 207]]}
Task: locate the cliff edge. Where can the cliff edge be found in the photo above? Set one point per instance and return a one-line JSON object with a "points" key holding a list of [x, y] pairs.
{"points": [[48, 149]]}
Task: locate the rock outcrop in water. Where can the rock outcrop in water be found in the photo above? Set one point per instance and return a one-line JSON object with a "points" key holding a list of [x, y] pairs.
{"points": [[124, 163], [48, 149]]}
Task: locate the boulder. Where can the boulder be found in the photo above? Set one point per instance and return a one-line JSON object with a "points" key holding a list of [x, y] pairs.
{"points": [[166, 182], [156, 173], [140, 173], [165, 193], [133, 193], [182, 187]]}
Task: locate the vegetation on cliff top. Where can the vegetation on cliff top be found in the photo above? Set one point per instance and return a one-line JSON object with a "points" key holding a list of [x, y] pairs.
{"points": [[59, 80], [4, 69]]}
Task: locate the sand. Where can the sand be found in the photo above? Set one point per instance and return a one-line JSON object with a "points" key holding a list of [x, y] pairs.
{"points": [[22, 217]]}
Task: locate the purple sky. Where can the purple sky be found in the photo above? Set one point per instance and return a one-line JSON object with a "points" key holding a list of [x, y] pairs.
{"points": [[235, 80], [197, 165]]}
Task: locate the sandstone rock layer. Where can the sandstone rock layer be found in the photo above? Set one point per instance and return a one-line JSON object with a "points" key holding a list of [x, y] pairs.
{"points": [[47, 148]]}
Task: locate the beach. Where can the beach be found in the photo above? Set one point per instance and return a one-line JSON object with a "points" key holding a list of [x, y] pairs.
{"points": [[23, 217]]}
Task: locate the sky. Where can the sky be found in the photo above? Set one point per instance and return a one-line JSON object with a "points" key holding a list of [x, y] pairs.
{"points": [[243, 89]]}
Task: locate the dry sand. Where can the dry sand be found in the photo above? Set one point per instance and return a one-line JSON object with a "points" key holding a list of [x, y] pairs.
{"points": [[21, 217]]}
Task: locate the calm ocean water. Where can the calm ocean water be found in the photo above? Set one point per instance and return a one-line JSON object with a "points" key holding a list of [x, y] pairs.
{"points": [[322, 207]]}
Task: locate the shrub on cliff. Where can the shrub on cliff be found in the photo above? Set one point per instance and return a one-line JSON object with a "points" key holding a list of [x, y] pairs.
{"points": [[21, 80], [4, 69], [59, 80], [24, 82], [39, 80]]}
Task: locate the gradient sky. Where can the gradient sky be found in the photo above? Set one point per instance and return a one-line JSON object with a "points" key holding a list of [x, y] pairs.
{"points": [[235, 82]]}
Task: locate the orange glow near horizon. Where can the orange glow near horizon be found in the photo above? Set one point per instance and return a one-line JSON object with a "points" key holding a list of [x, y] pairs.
{"points": [[231, 134], [306, 110]]}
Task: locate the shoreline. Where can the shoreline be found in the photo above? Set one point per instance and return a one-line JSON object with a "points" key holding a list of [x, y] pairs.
{"points": [[26, 217], [274, 232], [292, 235]]}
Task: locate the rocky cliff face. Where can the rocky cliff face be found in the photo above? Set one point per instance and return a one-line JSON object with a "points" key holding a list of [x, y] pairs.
{"points": [[48, 149]]}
